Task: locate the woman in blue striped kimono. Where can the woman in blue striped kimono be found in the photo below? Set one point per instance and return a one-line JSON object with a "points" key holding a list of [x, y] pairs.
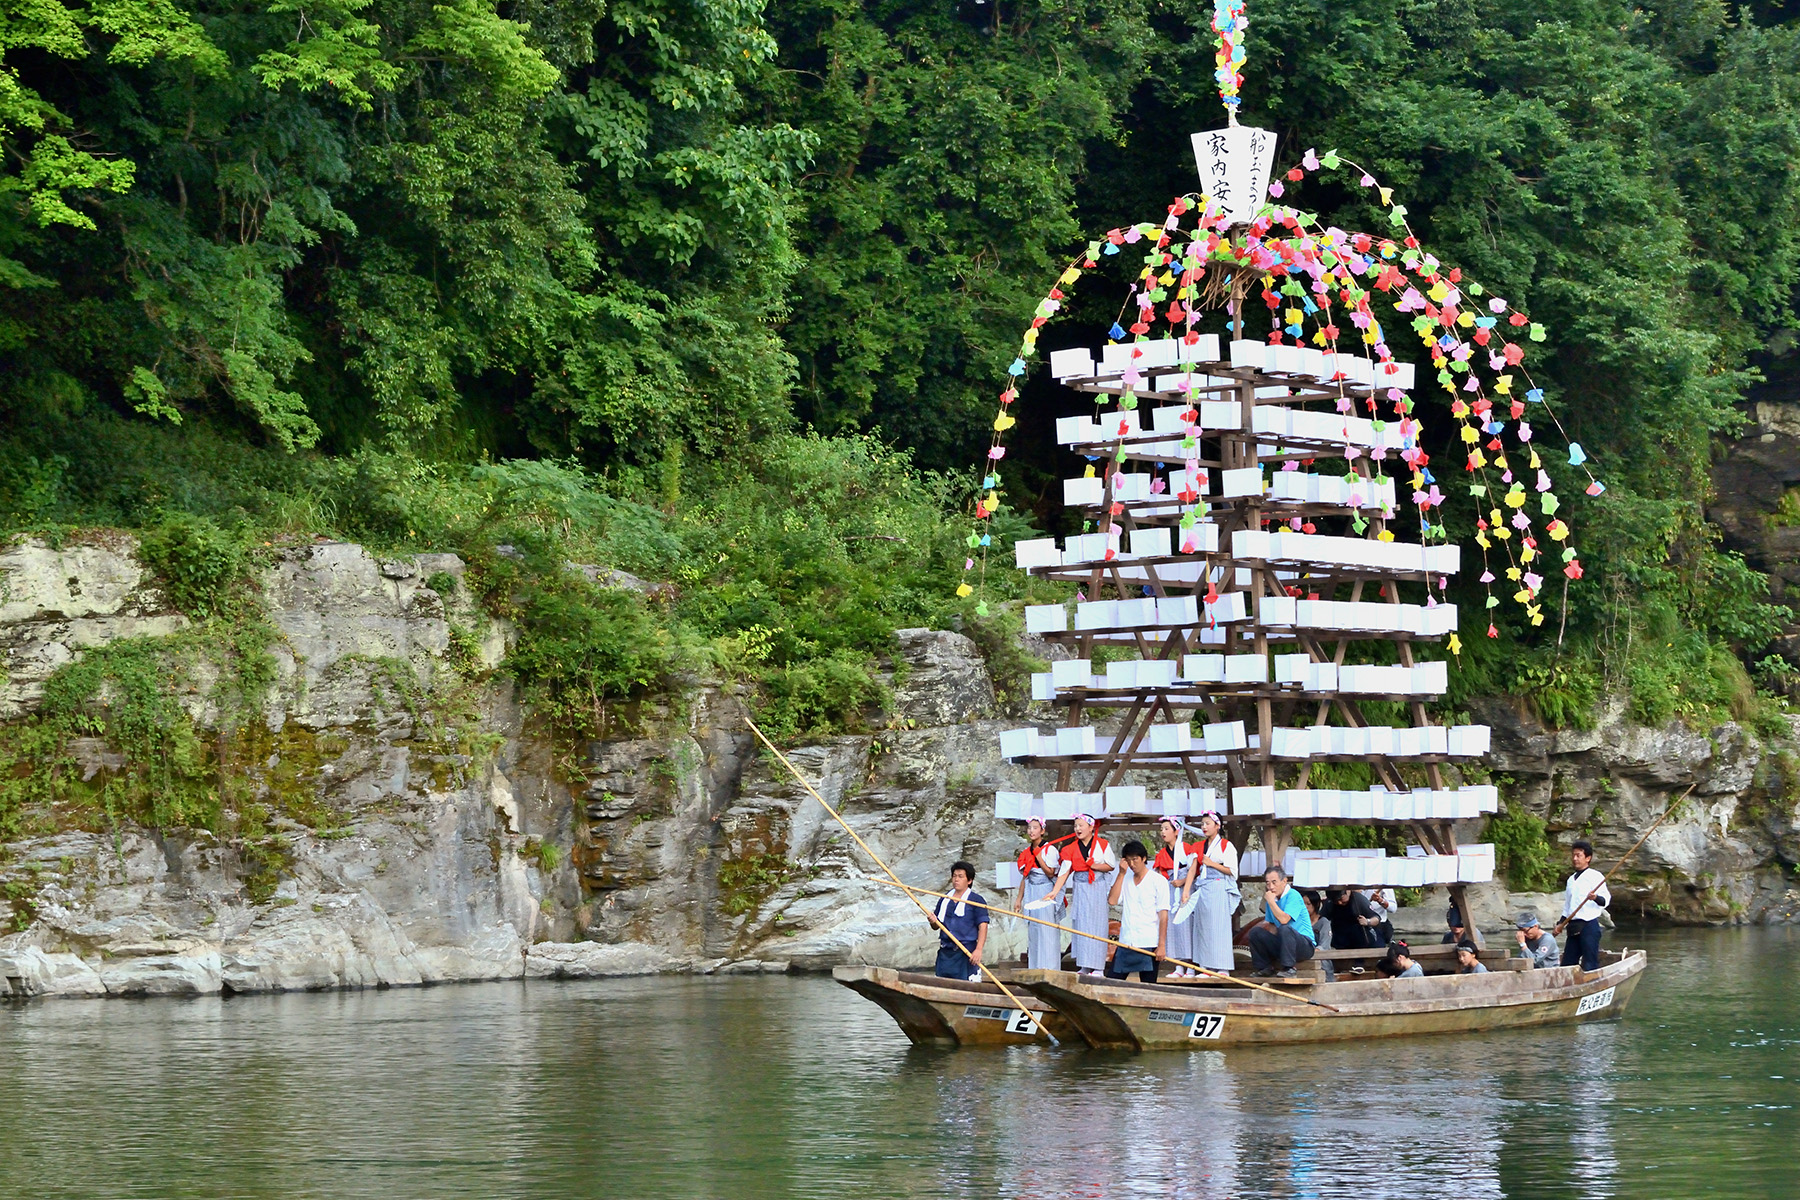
{"points": [[1219, 897], [1041, 876], [1176, 861], [1091, 862]]}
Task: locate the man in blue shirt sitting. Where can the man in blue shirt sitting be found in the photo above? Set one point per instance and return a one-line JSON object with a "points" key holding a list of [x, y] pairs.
{"points": [[1286, 936], [959, 915]]}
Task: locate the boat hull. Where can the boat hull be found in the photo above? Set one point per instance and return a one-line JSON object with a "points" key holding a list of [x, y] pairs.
{"points": [[1114, 1014], [955, 1012]]}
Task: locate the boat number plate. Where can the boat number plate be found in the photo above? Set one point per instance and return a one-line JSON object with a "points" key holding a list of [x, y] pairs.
{"points": [[1207, 1025], [1594, 1003], [1017, 1019]]}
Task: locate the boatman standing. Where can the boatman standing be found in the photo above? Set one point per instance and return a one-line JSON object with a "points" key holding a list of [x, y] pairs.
{"points": [[1587, 894], [964, 915], [1091, 862]]}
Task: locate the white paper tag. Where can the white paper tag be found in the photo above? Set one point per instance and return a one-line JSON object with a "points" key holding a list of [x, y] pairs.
{"points": [[1234, 169]]}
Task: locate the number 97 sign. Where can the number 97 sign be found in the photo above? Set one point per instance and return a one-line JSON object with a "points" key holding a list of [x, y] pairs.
{"points": [[1207, 1025]]}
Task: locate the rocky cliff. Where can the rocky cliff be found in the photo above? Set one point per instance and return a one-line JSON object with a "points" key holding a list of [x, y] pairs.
{"points": [[416, 827], [1756, 492]]}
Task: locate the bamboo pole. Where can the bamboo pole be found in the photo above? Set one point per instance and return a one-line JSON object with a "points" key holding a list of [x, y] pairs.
{"points": [[1121, 945], [1676, 803], [811, 791]]}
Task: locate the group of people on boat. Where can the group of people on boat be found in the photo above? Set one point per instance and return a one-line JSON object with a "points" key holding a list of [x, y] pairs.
{"points": [[1178, 905], [1195, 893]]}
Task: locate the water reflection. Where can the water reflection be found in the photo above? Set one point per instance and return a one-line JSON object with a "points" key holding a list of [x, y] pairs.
{"points": [[755, 1087]]}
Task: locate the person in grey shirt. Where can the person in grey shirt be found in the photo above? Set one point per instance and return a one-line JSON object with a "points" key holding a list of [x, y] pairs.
{"points": [[1399, 963], [1534, 943], [1468, 959]]}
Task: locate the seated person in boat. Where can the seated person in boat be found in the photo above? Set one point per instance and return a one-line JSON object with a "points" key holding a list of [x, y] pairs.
{"points": [[1584, 897], [1468, 959], [1321, 927], [960, 917], [1534, 942], [1456, 932], [1383, 904], [1285, 935], [1143, 899], [1353, 919], [1399, 963]]}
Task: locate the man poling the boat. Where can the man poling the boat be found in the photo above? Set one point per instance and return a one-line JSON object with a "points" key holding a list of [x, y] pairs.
{"points": [[1217, 897], [1176, 862], [1582, 918], [1036, 1024], [1091, 863], [1585, 897], [1042, 874], [961, 920]]}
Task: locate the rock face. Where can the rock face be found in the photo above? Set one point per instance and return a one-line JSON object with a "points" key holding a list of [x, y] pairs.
{"points": [[426, 835], [56, 603], [1728, 854], [1756, 483], [420, 804]]}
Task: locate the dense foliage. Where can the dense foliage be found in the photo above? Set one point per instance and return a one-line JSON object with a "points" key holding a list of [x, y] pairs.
{"points": [[569, 277]]}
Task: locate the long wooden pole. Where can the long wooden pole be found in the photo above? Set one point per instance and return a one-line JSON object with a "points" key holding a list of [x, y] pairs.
{"points": [[1673, 805], [811, 791], [1121, 945]]}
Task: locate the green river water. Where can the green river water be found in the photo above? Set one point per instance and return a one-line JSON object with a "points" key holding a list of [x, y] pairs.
{"points": [[792, 1086]]}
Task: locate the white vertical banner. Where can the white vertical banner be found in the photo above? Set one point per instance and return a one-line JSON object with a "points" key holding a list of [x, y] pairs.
{"points": [[1234, 169]]}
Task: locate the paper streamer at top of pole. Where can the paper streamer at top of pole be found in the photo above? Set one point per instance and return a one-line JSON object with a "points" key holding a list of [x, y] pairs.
{"points": [[1228, 34]]}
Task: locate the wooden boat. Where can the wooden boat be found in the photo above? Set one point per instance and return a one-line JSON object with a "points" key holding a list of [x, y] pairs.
{"points": [[1119, 1015], [954, 1012], [1243, 540]]}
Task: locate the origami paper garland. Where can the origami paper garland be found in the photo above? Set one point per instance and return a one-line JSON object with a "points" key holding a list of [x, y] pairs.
{"points": [[1512, 355], [1228, 25], [1327, 266]]}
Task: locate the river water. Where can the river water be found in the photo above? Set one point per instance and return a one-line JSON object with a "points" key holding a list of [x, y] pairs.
{"points": [[738, 1087]]}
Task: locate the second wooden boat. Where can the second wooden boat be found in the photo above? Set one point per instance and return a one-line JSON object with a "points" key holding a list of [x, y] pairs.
{"points": [[1119, 1015], [954, 1012]]}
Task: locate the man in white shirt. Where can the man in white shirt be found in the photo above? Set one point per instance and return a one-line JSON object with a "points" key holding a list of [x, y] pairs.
{"points": [[1143, 899], [1584, 897]]}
